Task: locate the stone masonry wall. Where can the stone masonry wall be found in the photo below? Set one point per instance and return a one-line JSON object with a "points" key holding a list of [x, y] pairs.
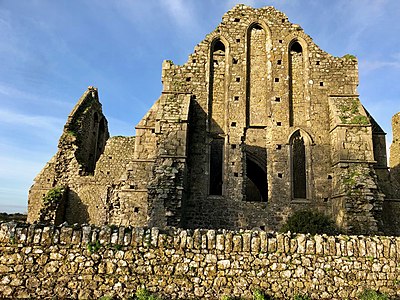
{"points": [[89, 262]]}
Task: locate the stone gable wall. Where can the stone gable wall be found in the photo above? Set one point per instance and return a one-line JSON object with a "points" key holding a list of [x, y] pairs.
{"points": [[89, 262]]}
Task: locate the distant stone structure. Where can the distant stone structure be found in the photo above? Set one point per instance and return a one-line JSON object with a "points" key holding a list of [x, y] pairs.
{"points": [[258, 123]]}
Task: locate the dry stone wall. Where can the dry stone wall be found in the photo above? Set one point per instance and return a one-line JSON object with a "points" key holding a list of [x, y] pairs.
{"points": [[88, 262]]}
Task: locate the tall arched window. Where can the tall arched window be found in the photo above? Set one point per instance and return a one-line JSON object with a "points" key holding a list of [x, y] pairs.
{"points": [[296, 84], [298, 166], [217, 87]]}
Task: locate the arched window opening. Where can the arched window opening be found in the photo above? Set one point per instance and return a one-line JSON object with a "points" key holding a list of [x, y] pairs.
{"points": [[216, 164], [257, 27], [216, 105], [256, 182], [218, 47], [298, 161], [296, 47], [257, 73], [296, 85]]}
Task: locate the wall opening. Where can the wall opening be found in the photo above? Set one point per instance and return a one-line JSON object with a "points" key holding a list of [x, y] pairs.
{"points": [[296, 84], [216, 106], [298, 166], [216, 167], [257, 76], [256, 182]]}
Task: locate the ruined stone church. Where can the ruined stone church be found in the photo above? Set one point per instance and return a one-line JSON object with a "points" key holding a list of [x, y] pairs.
{"points": [[258, 123]]}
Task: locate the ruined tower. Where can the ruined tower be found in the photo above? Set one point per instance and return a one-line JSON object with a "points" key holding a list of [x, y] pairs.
{"points": [[258, 123]]}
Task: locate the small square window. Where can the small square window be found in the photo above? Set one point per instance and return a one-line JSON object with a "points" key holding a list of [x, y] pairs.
{"points": [[188, 78], [233, 124], [280, 41], [321, 84], [278, 147], [280, 175], [236, 98], [276, 79], [278, 123], [233, 146], [237, 20], [317, 63], [277, 99], [236, 174], [193, 61], [237, 40], [237, 79], [234, 61], [279, 62], [136, 209]]}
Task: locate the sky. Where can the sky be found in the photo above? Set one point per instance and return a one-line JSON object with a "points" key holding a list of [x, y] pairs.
{"points": [[51, 51]]}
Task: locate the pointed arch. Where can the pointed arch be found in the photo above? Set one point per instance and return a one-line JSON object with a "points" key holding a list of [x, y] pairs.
{"points": [[297, 79], [256, 179], [217, 87], [258, 68], [300, 164]]}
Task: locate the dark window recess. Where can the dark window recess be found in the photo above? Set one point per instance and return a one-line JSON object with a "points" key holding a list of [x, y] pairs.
{"points": [[317, 63], [279, 62], [233, 146], [108, 172], [237, 79], [280, 41], [153, 131], [256, 182], [296, 47], [298, 166], [278, 147], [276, 79], [236, 98], [233, 163], [283, 20], [237, 20], [188, 78], [329, 176], [236, 174], [233, 124], [278, 123], [216, 160], [280, 175], [193, 61], [136, 209], [234, 61], [321, 84], [237, 40], [277, 99], [325, 199]]}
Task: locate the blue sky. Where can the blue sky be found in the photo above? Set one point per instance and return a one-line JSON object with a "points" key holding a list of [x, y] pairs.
{"points": [[51, 51]]}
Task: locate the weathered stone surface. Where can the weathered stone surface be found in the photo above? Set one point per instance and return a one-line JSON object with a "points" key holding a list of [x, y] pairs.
{"points": [[256, 85], [311, 264]]}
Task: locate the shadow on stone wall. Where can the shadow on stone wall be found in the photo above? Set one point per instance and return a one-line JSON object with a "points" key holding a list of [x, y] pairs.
{"points": [[75, 210]]}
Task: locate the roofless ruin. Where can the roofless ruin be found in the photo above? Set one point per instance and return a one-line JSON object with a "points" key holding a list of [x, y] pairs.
{"points": [[258, 123]]}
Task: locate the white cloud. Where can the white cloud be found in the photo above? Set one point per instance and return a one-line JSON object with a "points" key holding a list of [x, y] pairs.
{"points": [[42, 122]]}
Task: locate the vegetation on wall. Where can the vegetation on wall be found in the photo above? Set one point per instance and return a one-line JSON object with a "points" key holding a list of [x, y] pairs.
{"points": [[54, 195], [350, 113]]}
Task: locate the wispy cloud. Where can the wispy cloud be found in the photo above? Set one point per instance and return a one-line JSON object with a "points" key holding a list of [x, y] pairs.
{"points": [[36, 121], [372, 65]]}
